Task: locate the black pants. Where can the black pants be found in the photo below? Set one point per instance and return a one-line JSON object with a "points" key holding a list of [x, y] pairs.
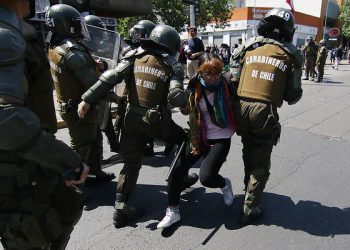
{"points": [[209, 169]]}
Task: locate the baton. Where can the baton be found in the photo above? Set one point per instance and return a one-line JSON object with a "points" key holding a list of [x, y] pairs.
{"points": [[176, 159]]}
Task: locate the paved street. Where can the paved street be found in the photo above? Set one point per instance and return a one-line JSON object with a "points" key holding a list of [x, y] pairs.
{"points": [[306, 202]]}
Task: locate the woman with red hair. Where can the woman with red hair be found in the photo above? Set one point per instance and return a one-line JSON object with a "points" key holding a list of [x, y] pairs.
{"points": [[211, 128]]}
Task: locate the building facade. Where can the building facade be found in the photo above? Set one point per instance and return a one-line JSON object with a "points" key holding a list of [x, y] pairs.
{"points": [[312, 17]]}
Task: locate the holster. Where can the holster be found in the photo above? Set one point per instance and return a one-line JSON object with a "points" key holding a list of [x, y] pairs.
{"points": [[271, 126]]}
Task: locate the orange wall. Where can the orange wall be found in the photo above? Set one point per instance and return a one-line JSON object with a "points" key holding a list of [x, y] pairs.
{"points": [[300, 18]]}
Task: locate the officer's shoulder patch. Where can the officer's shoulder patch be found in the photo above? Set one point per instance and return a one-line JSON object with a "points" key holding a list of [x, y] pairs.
{"points": [[290, 48], [253, 42], [129, 54], [169, 60]]}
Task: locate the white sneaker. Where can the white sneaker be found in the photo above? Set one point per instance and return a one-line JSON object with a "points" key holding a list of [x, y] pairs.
{"points": [[172, 216], [227, 192]]}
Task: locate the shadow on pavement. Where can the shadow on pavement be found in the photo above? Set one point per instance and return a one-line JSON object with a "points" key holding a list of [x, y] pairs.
{"points": [[309, 216], [100, 195], [207, 210]]}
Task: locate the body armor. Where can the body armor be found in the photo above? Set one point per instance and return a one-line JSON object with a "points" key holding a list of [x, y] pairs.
{"points": [[12, 48], [264, 73], [322, 55], [152, 81], [275, 65], [311, 50], [64, 60]]}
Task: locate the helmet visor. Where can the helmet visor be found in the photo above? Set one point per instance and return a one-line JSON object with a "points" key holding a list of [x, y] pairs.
{"points": [[79, 25], [136, 35], [97, 32]]}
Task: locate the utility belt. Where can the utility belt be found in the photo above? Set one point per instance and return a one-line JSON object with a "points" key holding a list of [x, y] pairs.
{"points": [[70, 106], [24, 222], [149, 115], [157, 115]]}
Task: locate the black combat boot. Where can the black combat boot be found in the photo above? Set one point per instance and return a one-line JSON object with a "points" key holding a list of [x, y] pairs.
{"points": [[114, 144], [252, 217], [98, 176], [123, 213]]}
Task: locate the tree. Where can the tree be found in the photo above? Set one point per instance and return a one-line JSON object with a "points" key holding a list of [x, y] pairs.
{"points": [[173, 13], [345, 18]]}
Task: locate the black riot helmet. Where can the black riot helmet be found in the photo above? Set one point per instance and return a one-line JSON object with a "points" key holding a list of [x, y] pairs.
{"points": [[65, 21], [323, 42], [309, 39], [93, 20], [163, 37], [96, 27], [142, 29], [278, 22]]}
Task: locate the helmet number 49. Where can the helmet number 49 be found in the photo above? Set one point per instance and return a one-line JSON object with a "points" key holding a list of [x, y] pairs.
{"points": [[284, 15]]}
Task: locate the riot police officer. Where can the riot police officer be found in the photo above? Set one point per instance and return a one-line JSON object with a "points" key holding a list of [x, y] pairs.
{"points": [[321, 60], [74, 71], [140, 30], [269, 73], [153, 78], [39, 206], [310, 53], [40, 85]]}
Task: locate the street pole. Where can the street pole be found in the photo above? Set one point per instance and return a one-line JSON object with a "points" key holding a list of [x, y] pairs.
{"points": [[325, 21], [254, 19], [192, 16]]}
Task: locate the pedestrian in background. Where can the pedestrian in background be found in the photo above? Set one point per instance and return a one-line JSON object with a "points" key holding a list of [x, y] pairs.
{"points": [[211, 127], [193, 49], [338, 57], [333, 55]]}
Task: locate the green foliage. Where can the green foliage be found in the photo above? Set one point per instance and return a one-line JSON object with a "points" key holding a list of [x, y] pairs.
{"points": [[345, 18], [173, 13]]}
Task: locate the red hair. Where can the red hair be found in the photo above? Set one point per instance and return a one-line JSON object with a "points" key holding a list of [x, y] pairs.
{"points": [[210, 63]]}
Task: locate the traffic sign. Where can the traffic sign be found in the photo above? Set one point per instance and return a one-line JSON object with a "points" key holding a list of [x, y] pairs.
{"points": [[333, 32]]}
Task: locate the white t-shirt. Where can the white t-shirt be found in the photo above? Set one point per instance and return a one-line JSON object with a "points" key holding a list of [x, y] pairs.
{"points": [[213, 131]]}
